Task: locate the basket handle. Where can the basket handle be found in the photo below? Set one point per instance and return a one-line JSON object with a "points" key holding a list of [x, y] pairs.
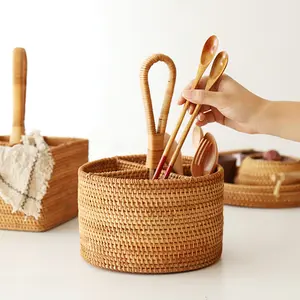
{"points": [[156, 136], [288, 178], [19, 94]]}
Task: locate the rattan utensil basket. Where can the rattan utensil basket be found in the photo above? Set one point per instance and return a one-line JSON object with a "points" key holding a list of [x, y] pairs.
{"points": [[130, 223], [59, 204]]}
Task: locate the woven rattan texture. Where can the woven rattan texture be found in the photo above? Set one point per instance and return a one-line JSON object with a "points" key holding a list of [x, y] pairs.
{"points": [[129, 223], [258, 172], [259, 196], [60, 202]]}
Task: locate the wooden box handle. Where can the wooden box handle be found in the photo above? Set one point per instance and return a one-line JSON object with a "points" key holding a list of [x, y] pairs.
{"points": [[19, 94]]}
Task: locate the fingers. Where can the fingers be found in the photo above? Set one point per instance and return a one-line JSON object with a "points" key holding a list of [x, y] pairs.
{"points": [[205, 118], [210, 117], [192, 107], [200, 85], [182, 100], [216, 99]]}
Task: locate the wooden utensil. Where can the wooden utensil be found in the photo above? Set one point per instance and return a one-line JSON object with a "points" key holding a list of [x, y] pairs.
{"points": [[218, 68], [178, 166], [210, 163], [206, 157], [200, 155], [156, 136], [208, 52], [197, 136], [19, 94]]}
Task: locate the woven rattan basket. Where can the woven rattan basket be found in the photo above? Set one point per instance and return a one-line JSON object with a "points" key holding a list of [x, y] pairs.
{"points": [[259, 189], [130, 223], [256, 171], [60, 202]]}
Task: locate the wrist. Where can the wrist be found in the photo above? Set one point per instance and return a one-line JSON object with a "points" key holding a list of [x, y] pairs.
{"points": [[265, 117]]}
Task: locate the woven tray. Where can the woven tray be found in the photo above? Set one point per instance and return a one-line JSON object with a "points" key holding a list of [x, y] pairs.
{"points": [[130, 223], [60, 202], [254, 171], [259, 191]]}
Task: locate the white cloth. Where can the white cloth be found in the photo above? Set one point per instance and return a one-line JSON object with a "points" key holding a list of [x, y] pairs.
{"points": [[25, 170]]}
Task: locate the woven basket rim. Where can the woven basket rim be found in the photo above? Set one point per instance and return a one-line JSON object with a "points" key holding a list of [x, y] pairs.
{"points": [[82, 171], [252, 157], [286, 188], [64, 140]]}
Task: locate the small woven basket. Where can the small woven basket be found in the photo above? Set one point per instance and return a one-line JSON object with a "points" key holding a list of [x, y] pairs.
{"points": [[256, 171], [59, 204], [130, 223], [264, 184]]}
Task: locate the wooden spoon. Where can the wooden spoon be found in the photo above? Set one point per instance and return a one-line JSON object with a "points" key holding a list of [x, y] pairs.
{"points": [[178, 166], [197, 136], [208, 52], [218, 68]]}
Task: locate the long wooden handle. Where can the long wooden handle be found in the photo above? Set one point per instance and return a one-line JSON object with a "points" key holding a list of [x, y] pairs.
{"points": [[156, 136], [217, 71], [19, 94]]}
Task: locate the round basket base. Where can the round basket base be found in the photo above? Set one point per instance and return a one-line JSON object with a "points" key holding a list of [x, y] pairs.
{"points": [[149, 266]]}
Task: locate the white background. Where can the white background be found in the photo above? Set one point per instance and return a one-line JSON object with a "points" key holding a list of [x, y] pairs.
{"points": [[84, 59]]}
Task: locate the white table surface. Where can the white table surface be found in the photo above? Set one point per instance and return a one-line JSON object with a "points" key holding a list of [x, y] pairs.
{"points": [[261, 260]]}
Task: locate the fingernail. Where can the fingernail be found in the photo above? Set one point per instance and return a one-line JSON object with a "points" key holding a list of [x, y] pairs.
{"points": [[201, 117], [187, 94]]}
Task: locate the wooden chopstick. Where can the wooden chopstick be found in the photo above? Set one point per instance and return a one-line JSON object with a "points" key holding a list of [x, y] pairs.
{"points": [[167, 149], [212, 79]]}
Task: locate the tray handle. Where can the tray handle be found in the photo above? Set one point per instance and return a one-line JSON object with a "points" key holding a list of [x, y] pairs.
{"points": [[288, 178]]}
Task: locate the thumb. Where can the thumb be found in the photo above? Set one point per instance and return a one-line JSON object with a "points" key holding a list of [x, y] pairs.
{"points": [[216, 99]]}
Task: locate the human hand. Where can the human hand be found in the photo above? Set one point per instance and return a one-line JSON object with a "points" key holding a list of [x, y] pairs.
{"points": [[228, 103]]}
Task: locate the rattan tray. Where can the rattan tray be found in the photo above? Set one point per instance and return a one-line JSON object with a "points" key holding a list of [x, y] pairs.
{"points": [[260, 191]]}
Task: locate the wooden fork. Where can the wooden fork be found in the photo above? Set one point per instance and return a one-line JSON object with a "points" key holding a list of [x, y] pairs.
{"points": [[197, 165]]}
